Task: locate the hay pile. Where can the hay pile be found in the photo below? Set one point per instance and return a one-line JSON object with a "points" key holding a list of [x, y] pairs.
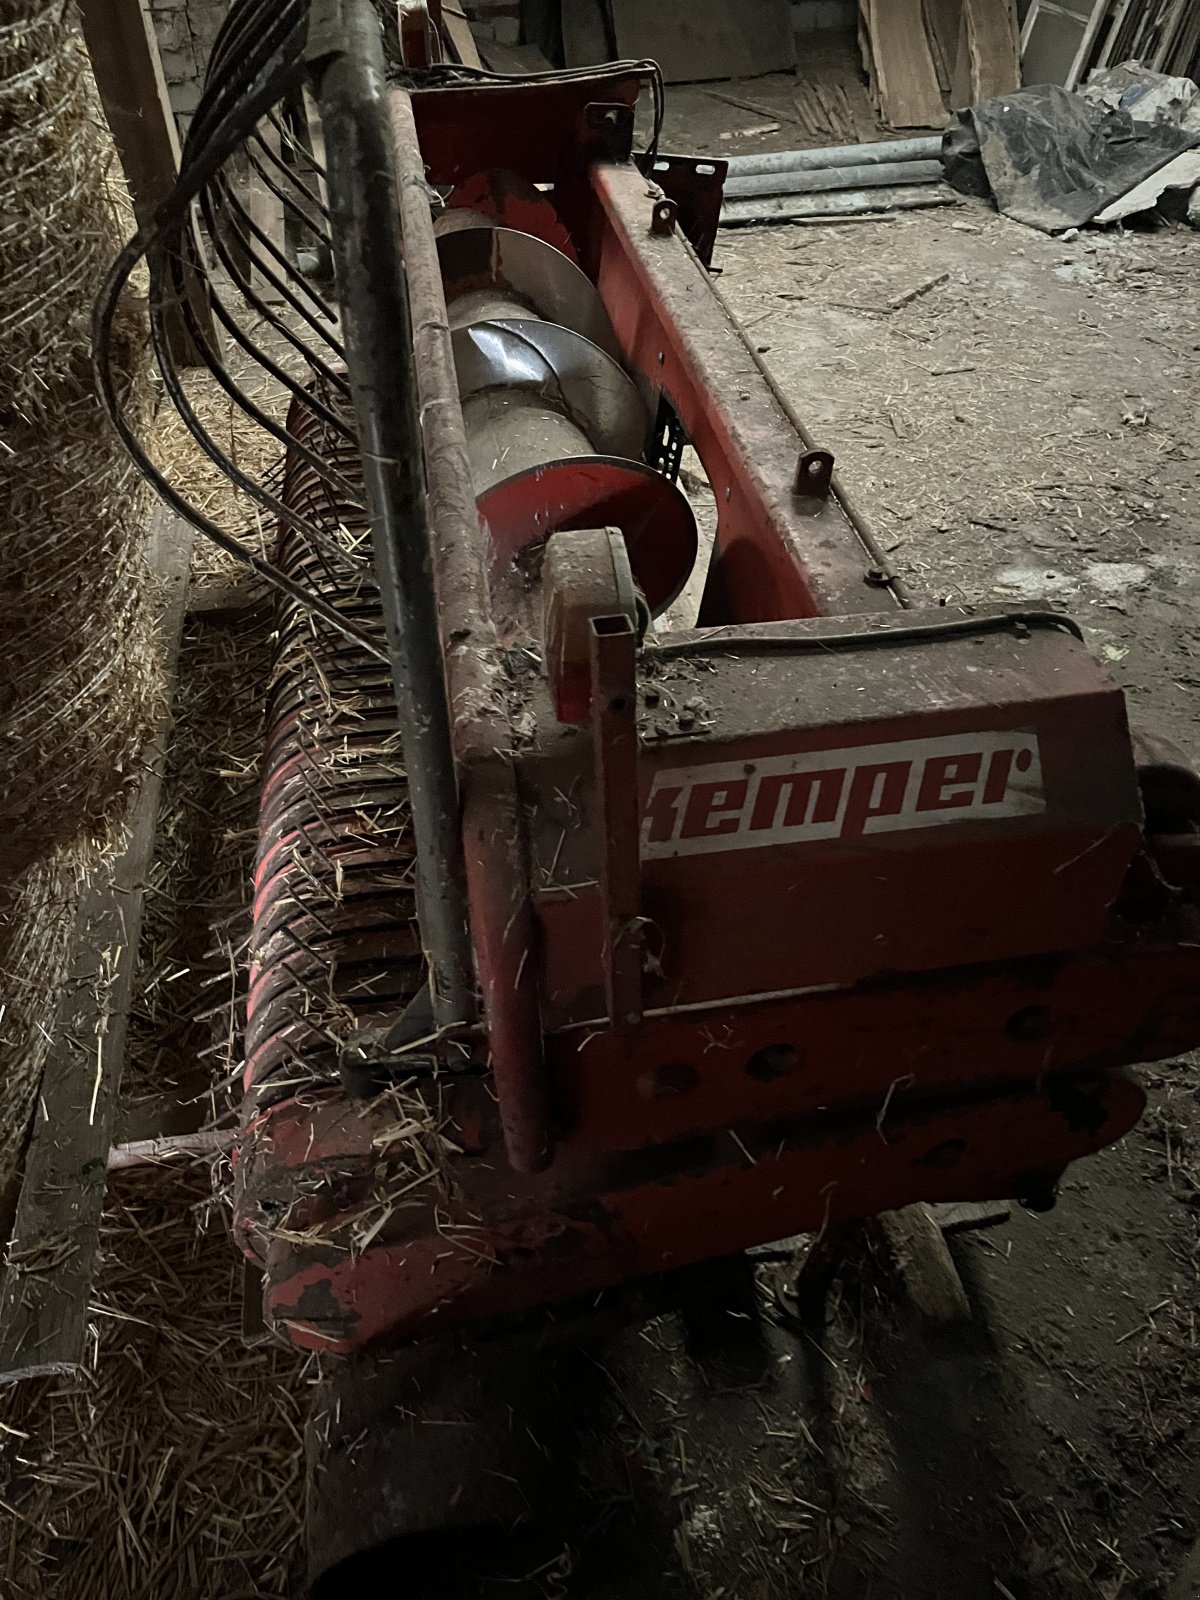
{"points": [[175, 1471], [78, 689]]}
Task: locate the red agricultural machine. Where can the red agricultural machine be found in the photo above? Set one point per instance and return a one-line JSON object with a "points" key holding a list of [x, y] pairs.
{"points": [[587, 947]]}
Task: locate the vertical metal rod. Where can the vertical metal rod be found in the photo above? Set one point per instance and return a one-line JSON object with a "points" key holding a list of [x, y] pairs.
{"points": [[618, 813], [346, 52]]}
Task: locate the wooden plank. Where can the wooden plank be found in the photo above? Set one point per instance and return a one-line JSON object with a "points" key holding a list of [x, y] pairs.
{"points": [[923, 1262], [995, 57], [908, 85], [129, 77], [47, 1282], [1086, 45], [1171, 28], [696, 39], [943, 18], [967, 1216], [1105, 58], [1052, 38], [585, 33], [960, 72], [515, 59], [457, 29]]}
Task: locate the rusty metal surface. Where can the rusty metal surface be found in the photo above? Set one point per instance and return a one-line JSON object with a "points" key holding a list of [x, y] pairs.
{"points": [[511, 201], [500, 1244], [559, 371], [334, 895], [695, 184], [527, 269]]}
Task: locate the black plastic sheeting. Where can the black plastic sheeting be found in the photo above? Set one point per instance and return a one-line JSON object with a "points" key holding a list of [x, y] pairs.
{"points": [[1051, 159]]}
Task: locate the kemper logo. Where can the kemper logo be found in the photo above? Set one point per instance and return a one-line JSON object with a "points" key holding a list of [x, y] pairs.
{"points": [[842, 794]]}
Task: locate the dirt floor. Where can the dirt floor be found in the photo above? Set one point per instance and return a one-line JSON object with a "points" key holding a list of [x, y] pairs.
{"points": [[1024, 427]]}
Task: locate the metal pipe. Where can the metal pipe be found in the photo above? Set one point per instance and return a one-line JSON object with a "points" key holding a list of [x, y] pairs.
{"points": [[348, 67], [806, 182], [789, 208], [493, 825], [926, 148]]}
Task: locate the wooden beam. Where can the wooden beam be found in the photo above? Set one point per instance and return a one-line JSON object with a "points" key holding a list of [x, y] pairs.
{"points": [[458, 31], [47, 1283], [124, 51]]}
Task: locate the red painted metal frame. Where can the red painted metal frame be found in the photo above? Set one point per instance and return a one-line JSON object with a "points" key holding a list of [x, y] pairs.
{"points": [[587, 1155], [782, 555]]}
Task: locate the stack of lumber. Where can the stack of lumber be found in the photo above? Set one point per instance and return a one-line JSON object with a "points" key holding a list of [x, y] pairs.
{"points": [[1063, 43], [926, 58]]}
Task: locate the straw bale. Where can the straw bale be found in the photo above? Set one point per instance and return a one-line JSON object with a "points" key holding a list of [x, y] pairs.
{"points": [[79, 689]]}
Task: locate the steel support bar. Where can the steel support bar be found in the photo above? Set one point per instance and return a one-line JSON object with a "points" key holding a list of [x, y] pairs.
{"points": [[881, 152], [618, 812], [352, 94]]}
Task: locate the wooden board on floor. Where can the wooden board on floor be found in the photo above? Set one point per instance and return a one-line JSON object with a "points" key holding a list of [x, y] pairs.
{"points": [[585, 33], [693, 40], [47, 1282], [924, 1265], [909, 95]]}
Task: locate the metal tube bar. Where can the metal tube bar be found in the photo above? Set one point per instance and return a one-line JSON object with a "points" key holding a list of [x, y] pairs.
{"points": [[803, 181], [493, 829], [926, 148], [788, 208], [365, 216]]}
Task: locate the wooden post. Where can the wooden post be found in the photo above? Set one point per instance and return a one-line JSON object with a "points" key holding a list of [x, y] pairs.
{"points": [[129, 76]]}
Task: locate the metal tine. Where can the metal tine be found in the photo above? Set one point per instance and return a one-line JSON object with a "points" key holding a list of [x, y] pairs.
{"points": [[229, 206], [285, 133], [219, 203], [290, 176]]}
